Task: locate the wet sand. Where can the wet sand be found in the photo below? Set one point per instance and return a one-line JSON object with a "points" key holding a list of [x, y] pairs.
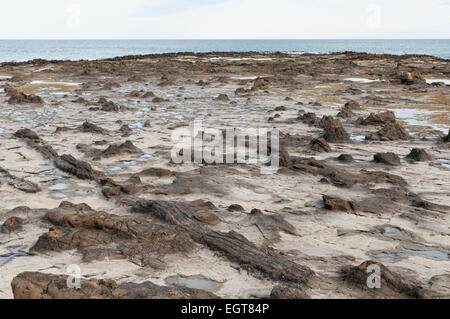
{"points": [[401, 222]]}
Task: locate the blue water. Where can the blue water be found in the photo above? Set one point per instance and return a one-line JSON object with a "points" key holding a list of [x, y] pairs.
{"points": [[23, 50]]}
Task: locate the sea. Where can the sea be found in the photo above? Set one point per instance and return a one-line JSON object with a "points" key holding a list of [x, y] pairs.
{"points": [[24, 50]]}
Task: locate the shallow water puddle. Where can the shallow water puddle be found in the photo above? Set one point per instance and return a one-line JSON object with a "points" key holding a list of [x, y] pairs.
{"points": [[395, 256], [431, 81], [147, 156], [195, 282], [359, 138], [113, 168], [362, 80], [244, 77], [417, 117], [15, 252], [58, 187]]}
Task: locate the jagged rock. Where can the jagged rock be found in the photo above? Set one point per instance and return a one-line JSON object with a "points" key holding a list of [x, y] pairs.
{"points": [[335, 133], [125, 148], [260, 83], [320, 145], [82, 170], [132, 186], [79, 227], [419, 155], [235, 208], [345, 113], [352, 105], [234, 246], [390, 132], [379, 118], [18, 183], [271, 225], [223, 98], [402, 195], [339, 204], [309, 118], [36, 143], [392, 284], [20, 98], [288, 292], [125, 130], [447, 138], [12, 224], [157, 172], [342, 178], [29, 285], [88, 127], [346, 158], [280, 109], [387, 158], [159, 100], [411, 78], [148, 95]]}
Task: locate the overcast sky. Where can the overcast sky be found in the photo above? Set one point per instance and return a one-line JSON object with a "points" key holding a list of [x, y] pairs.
{"points": [[224, 19]]}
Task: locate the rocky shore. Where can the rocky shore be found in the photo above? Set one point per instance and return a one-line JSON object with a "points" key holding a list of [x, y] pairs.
{"points": [[87, 177]]}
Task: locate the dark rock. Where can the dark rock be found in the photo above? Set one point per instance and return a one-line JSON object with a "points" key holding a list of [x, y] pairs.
{"points": [[339, 204], [222, 98], [288, 292], [410, 78], [232, 245], [88, 127], [125, 148], [387, 158], [379, 118], [18, 183], [79, 227], [320, 145], [447, 138], [335, 132], [419, 155], [346, 158], [29, 285], [352, 105], [235, 208], [11, 225], [21, 98], [80, 169], [390, 132], [392, 284]]}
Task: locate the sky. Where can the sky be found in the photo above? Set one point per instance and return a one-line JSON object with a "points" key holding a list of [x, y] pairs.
{"points": [[224, 19]]}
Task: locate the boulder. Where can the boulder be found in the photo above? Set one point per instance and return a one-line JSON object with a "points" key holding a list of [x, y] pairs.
{"points": [[387, 158], [390, 132], [320, 145], [35, 285], [419, 155]]}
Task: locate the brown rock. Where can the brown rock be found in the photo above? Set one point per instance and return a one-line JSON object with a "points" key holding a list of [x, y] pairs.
{"points": [[287, 292], [21, 98], [419, 155], [11, 225], [392, 284], [29, 285], [387, 158], [320, 145], [339, 204], [380, 118]]}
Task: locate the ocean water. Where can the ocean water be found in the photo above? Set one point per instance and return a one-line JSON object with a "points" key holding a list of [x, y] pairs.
{"points": [[23, 50]]}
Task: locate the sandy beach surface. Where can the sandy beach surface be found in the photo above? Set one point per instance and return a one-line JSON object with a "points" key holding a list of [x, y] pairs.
{"points": [[86, 177]]}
